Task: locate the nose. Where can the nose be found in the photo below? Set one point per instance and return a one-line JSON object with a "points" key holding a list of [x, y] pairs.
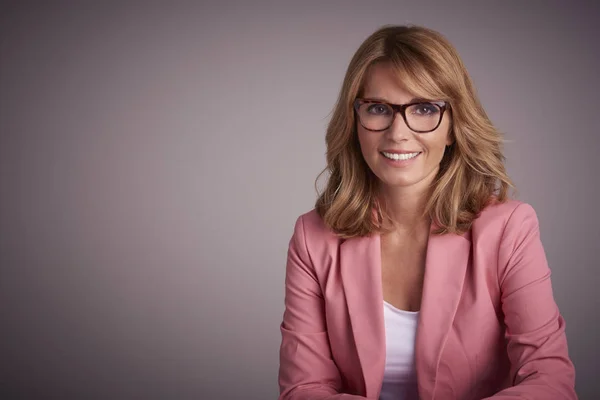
{"points": [[399, 131]]}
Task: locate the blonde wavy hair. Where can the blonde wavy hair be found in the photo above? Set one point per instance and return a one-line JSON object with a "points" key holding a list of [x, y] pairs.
{"points": [[472, 172]]}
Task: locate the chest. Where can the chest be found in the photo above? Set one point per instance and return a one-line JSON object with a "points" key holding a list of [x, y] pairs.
{"points": [[402, 272]]}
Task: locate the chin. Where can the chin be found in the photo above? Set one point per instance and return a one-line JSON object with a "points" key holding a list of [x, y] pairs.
{"points": [[403, 180], [397, 179], [399, 184], [393, 182]]}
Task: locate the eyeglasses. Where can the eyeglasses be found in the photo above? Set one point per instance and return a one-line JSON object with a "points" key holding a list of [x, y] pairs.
{"points": [[420, 117]]}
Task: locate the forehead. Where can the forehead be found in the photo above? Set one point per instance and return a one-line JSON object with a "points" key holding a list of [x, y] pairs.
{"points": [[384, 82]]}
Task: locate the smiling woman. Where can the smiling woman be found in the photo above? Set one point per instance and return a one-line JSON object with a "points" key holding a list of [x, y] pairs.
{"points": [[413, 146], [415, 276]]}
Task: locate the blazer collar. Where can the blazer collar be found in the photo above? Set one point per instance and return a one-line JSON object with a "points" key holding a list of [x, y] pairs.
{"points": [[360, 268]]}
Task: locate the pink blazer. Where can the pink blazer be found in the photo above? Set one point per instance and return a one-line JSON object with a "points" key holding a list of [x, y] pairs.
{"points": [[488, 325]]}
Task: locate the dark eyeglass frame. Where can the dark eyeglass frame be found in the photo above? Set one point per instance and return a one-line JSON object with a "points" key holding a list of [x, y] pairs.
{"points": [[400, 109]]}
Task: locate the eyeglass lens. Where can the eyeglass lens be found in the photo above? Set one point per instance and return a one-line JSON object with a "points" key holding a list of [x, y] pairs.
{"points": [[421, 117]]}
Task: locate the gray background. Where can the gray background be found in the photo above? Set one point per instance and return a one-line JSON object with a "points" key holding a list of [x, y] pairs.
{"points": [[154, 157]]}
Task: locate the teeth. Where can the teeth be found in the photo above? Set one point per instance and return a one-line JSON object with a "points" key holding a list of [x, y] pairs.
{"points": [[394, 156]]}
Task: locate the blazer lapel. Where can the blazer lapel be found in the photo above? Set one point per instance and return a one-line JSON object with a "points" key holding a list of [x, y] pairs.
{"points": [[360, 269], [445, 268]]}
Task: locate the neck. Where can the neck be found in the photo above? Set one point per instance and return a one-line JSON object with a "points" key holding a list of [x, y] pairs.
{"points": [[406, 207]]}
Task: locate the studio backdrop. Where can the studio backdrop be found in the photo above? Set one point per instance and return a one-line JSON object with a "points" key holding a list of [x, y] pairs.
{"points": [[154, 157]]}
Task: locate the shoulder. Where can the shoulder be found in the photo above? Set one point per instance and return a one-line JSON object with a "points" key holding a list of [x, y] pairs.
{"points": [[501, 221], [312, 228], [499, 216], [314, 242]]}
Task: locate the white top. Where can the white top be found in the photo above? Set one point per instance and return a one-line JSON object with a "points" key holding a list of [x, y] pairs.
{"points": [[399, 378]]}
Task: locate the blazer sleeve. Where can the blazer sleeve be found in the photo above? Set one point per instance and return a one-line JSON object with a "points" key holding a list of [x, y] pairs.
{"points": [[306, 368], [535, 330]]}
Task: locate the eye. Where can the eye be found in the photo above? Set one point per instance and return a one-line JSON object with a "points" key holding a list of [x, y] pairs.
{"points": [[424, 109], [378, 109]]}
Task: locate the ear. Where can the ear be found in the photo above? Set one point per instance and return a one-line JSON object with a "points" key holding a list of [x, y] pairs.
{"points": [[450, 138]]}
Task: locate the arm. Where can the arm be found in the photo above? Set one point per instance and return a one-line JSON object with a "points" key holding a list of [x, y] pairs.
{"points": [[306, 368], [535, 330]]}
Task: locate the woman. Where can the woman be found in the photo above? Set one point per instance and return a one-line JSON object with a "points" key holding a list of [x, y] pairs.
{"points": [[415, 277]]}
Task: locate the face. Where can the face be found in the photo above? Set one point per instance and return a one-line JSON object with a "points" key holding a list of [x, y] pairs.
{"points": [[418, 171]]}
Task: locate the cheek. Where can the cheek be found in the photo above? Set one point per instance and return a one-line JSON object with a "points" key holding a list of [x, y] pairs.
{"points": [[367, 143], [436, 148]]}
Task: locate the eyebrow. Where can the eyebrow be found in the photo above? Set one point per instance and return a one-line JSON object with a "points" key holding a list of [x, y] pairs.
{"points": [[413, 100]]}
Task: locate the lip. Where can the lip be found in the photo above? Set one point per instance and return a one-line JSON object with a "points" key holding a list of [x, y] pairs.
{"points": [[400, 151], [400, 163]]}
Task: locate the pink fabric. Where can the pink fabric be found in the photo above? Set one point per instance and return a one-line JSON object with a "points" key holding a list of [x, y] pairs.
{"points": [[488, 326]]}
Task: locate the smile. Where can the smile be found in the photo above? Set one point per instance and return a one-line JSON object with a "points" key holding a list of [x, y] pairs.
{"points": [[396, 156]]}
